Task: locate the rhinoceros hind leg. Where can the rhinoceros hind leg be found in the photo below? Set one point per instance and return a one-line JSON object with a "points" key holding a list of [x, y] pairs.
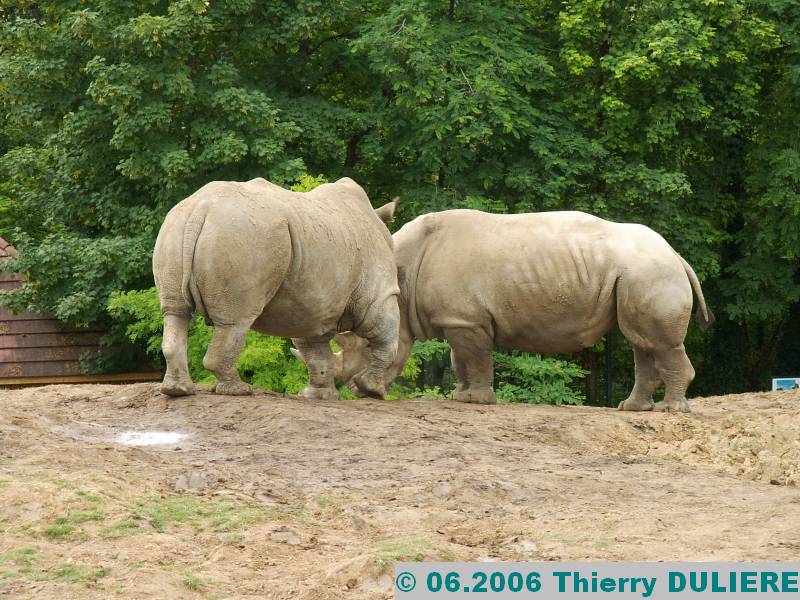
{"points": [[319, 360], [223, 351], [677, 373], [653, 313], [380, 327], [471, 357], [177, 381], [641, 396]]}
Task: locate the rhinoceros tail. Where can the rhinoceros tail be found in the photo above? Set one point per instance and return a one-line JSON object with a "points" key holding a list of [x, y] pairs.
{"points": [[703, 314], [191, 231]]}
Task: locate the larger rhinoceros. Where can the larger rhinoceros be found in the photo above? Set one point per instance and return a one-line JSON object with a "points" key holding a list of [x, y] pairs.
{"points": [[551, 283], [253, 255]]}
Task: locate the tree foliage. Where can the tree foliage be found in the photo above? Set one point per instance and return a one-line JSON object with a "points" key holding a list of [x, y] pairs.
{"points": [[535, 380], [679, 114]]}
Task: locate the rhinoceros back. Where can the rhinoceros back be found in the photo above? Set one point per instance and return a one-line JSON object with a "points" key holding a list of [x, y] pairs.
{"points": [[543, 282], [327, 248]]}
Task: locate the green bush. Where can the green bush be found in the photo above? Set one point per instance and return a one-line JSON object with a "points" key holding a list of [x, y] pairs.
{"points": [[407, 384], [266, 363], [530, 378], [306, 183], [138, 315], [519, 376]]}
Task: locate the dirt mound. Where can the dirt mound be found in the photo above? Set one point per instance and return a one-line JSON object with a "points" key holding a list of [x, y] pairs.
{"points": [[117, 490], [753, 436]]}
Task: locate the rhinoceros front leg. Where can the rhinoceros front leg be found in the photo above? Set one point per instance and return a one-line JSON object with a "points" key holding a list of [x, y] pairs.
{"points": [[320, 362], [177, 381], [471, 356], [221, 356], [641, 396]]}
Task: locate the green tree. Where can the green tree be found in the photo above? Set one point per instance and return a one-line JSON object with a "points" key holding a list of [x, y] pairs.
{"points": [[679, 114], [116, 111]]}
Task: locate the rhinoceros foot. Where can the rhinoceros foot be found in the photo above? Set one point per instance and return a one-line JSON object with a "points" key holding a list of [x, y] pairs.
{"points": [[174, 387], [477, 396], [635, 404], [233, 388], [673, 406], [319, 393]]}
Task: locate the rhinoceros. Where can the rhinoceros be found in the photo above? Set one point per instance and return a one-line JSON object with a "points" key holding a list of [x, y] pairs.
{"points": [[551, 283], [252, 255]]}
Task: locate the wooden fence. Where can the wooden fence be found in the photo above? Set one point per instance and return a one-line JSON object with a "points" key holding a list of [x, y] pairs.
{"points": [[40, 349]]}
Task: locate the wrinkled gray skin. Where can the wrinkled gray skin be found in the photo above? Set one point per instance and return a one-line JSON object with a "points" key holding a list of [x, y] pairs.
{"points": [[302, 265], [545, 282]]}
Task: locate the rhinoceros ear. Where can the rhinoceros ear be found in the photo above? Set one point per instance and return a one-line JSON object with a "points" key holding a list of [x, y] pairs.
{"points": [[386, 212], [346, 341]]}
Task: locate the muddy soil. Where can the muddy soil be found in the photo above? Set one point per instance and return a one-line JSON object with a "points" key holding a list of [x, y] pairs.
{"points": [[116, 491]]}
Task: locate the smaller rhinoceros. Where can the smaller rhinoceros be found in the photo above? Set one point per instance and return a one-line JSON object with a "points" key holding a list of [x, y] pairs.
{"points": [[550, 283], [252, 255]]}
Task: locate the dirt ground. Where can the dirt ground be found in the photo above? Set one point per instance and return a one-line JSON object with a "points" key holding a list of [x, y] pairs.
{"points": [[278, 497]]}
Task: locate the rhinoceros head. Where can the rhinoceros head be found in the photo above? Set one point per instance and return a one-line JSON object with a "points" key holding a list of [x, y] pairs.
{"points": [[353, 357]]}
